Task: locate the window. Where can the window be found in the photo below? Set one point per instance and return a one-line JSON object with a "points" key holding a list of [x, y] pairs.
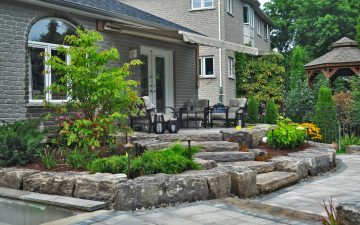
{"points": [[248, 15], [266, 31], [44, 37], [259, 25], [231, 67], [229, 6], [206, 66], [202, 4]]}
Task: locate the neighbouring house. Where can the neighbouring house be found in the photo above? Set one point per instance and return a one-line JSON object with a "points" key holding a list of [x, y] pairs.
{"points": [[29, 28], [235, 21]]}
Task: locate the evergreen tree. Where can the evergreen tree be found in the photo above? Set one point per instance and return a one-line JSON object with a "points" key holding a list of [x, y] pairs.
{"points": [[271, 112], [297, 70], [325, 117], [253, 110]]}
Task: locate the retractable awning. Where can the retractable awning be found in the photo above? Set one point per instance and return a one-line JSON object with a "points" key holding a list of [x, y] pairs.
{"points": [[212, 42]]}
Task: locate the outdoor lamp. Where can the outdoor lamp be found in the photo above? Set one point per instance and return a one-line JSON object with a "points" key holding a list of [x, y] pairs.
{"points": [[172, 126], [159, 124]]}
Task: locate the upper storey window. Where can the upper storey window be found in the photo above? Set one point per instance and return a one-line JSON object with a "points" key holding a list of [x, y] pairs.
{"points": [[229, 6], [44, 38], [202, 4], [248, 15]]}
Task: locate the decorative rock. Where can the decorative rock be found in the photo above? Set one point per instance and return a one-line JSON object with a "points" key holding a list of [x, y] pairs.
{"points": [[98, 187], [196, 136], [259, 152], [243, 180], [348, 212], [13, 177], [52, 183], [291, 164], [206, 164], [259, 167], [206, 146], [226, 156], [353, 149], [316, 162], [269, 182]]}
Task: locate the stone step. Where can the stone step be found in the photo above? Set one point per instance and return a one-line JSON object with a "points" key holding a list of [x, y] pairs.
{"points": [[226, 156], [259, 167], [193, 135], [269, 182], [205, 146]]}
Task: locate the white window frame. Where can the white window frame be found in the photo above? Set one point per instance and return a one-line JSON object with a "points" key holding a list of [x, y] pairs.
{"points": [[259, 25], [231, 67], [47, 47], [203, 66], [229, 6], [251, 15], [202, 5], [266, 32]]}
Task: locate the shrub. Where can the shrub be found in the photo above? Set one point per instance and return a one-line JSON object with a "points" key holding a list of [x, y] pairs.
{"points": [[325, 117], [80, 159], [48, 159], [343, 102], [286, 134], [253, 110], [349, 140], [114, 164], [20, 142], [271, 112], [312, 131]]}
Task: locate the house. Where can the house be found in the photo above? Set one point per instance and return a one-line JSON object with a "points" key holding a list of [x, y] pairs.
{"points": [[236, 21], [29, 28]]}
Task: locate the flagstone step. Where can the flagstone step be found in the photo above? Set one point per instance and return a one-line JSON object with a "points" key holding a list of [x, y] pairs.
{"points": [[205, 146], [259, 167], [226, 156], [272, 181], [193, 135]]}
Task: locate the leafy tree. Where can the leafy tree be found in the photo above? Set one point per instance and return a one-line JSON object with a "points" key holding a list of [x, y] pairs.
{"points": [[314, 24], [325, 116], [253, 110], [271, 112], [355, 95], [297, 69], [262, 77], [358, 31], [101, 93]]}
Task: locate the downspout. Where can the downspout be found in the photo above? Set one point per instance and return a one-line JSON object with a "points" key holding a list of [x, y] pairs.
{"points": [[221, 90]]}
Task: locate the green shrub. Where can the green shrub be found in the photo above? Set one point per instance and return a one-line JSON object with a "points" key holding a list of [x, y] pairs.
{"points": [[286, 135], [253, 110], [48, 160], [325, 117], [114, 164], [80, 158], [349, 140], [20, 142], [271, 112]]}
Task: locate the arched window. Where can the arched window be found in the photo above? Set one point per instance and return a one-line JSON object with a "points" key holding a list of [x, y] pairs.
{"points": [[44, 37]]}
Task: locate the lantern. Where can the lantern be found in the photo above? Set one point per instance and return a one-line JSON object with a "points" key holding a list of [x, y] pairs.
{"points": [[159, 124], [172, 126]]}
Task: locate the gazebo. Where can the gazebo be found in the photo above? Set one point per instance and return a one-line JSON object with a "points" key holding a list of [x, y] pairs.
{"points": [[343, 60]]}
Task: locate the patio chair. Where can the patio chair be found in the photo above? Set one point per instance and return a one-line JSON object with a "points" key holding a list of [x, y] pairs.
{"points": [[197, 110], [147, 113], [229, 113]]}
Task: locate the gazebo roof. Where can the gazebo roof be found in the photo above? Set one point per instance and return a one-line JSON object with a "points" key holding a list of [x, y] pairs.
{"points": [[343, 59]]}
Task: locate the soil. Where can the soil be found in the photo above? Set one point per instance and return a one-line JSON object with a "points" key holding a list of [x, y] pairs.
{"points": [[279, 152]]}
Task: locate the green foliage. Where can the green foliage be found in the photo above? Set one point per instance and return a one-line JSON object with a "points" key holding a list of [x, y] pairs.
{"points": [[172, 160], [253, 110], [20, 142], [286, 135], [331, 217], [355, 95], [101, 92], [262, 77], [349, 140], [358, 31], [114, 164], [48, 159], [80, 159], [315, 25], [325, 117], [271, 112], [297, 70]]}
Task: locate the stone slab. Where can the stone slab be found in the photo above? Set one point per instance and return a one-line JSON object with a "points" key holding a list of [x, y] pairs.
{"points": [[291, 164], [353, 149], [13, 177], [206, 164], [269, 182], [196, 136], [226, 156], [206, 146], [259, 167], [348, 212]]}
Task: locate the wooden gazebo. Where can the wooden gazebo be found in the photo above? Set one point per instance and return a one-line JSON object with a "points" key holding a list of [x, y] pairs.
{"points": [[343, 60]]}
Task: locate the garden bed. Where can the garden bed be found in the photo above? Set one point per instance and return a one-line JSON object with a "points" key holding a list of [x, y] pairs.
{"points": [[271, 152]]}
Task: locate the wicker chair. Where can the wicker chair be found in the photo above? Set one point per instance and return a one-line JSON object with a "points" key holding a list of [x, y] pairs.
{"points": [[229, 114], [197, 110]]}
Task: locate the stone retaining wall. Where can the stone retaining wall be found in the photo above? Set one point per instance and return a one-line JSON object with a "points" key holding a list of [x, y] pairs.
{"points": [[349, 212]]}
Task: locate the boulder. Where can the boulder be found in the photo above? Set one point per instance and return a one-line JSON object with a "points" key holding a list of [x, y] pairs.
{"points": [[353, 149], [98, 187], [269, 182], [226, 156], [258, 166], [291, 164], [243, 180], [348, 212], [316, 162], [13, 177], [259, 152], [52, 183], [206, 164]]}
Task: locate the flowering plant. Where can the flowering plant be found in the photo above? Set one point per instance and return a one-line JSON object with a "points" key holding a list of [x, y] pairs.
{"points": [[312, 130]]}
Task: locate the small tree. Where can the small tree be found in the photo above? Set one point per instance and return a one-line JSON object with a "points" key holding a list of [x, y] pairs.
{"points": [[271, 112], [297, 70], [101, 93], [325, 116], [253, 110]]}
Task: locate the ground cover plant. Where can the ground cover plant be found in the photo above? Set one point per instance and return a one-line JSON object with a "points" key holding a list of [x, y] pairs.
{"points": [[348, 140]]}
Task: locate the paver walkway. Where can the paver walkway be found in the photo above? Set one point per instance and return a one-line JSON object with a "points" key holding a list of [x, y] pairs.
{"points": [[343, 185]]}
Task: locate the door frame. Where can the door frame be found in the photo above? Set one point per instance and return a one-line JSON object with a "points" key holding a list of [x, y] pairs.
{"points": [[152, 52]]}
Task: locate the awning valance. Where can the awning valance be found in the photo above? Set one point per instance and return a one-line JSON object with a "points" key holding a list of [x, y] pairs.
{"points": [[212, 42]]}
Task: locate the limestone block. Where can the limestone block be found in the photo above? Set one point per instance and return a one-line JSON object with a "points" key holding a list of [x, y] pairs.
{"points": [[13, 177]]}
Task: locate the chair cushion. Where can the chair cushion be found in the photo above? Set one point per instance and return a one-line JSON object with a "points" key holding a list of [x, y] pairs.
{"points": [[192, 116], [147, 103], [234, 102]]}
